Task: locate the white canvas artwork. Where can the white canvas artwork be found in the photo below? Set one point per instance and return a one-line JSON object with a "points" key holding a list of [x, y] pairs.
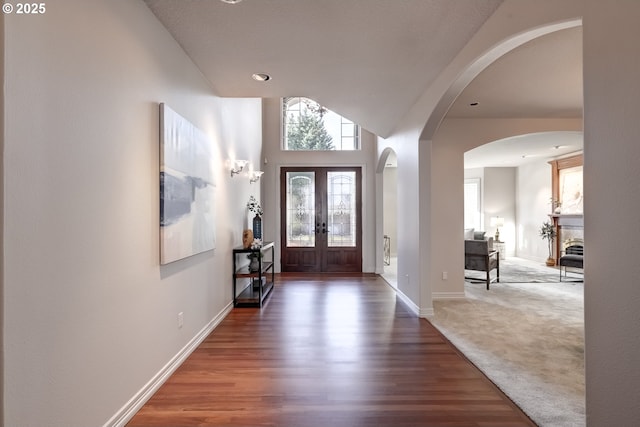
{"points": [[571, 194], [187, 193]]}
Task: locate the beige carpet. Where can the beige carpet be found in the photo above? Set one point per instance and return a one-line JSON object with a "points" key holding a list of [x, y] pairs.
{"points": [[528, 338], [515, 270]]}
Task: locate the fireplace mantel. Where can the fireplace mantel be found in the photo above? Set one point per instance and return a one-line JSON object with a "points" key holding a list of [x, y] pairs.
{"points": [[565, 224], [568, 220]]}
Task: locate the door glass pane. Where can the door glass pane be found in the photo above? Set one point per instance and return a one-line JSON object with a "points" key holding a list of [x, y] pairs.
{"points": [[301, 209], [341, 215]]}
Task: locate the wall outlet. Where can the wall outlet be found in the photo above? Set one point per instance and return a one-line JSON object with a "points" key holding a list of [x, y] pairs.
{"points": [[180, 320], [445, 275]]}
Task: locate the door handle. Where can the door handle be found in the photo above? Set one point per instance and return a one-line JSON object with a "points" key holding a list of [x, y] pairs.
{"points": [[317, 230], [324, 228]]}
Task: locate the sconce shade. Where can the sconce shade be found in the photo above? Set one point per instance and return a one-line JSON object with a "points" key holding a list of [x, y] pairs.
{"points": [[254, 176], [237, 166]]}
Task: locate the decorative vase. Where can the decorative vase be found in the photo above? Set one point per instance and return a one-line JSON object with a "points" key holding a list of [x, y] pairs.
{"points": [[551, 262], [257, 227], [254, 264]]}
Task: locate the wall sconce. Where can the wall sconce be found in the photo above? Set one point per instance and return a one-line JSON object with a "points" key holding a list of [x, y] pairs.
{"points": [[237, 166], [254, 176]]}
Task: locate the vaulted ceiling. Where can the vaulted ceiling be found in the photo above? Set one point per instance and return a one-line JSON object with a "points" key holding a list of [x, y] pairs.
{"points": [[370, 60]]}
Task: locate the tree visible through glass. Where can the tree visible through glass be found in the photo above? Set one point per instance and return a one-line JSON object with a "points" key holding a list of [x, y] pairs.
{"points": [[308, 125]]}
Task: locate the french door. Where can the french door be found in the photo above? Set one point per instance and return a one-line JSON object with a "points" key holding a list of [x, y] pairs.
{"points": [[321, 219]]}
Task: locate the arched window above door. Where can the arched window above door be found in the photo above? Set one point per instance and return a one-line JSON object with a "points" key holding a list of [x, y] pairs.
{"points": [[308, 126]]}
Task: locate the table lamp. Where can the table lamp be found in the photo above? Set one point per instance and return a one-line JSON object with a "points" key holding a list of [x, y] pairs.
{"points": [[497, 222]]}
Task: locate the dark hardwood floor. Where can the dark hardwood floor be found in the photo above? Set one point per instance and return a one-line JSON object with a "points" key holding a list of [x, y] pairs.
{"points": [[328, 351]]}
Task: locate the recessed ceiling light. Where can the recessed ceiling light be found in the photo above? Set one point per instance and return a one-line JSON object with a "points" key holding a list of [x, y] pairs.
{"points": [[261, 77], [231, 1]]}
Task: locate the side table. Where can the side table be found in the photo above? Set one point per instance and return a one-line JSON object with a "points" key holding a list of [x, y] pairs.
{"points": [[501, 247]]}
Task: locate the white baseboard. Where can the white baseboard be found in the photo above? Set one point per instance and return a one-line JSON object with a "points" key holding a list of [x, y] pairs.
{"points": [[405, 299], [426, 313], [122, 417], [420, 312], [449, 295]]}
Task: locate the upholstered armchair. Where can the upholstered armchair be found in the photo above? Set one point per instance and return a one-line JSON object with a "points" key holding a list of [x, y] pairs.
{"points": [[480, 256]]}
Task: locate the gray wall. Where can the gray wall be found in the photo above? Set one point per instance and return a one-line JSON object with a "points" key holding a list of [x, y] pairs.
{"points": [[2, 148], [90, 317], [612, 203], [533, 208], [500, 200]]}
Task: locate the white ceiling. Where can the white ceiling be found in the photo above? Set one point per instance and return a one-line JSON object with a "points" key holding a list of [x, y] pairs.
{"points": [[516, 151], [541, 79], [370, 60]]}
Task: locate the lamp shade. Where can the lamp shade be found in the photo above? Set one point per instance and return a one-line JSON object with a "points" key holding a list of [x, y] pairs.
{"points": [[497, 221]]}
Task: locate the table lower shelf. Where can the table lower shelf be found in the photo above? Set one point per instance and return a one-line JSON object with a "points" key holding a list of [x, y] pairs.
{"points": [[250, 296]]}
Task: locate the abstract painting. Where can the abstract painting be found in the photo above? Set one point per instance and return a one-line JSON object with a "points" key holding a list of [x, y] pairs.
{"points": [[571, 194], [186, 188]]}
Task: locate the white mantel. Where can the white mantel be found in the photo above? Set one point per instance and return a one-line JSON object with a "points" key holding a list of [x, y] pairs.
{"points": [[568, 220]]}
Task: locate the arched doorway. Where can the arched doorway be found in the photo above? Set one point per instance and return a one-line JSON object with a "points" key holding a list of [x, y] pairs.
{"points": [[387, 168], [447, 138]]}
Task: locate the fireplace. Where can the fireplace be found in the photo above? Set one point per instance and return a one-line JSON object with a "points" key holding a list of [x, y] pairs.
{"points": [[569, 230], [572, 245]]}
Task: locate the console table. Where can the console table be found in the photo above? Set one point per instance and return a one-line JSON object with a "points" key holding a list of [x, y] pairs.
{"points": [[260, 283]]}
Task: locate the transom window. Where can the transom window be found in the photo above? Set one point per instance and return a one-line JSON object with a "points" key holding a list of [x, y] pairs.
{"points": [[308, 125]]}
